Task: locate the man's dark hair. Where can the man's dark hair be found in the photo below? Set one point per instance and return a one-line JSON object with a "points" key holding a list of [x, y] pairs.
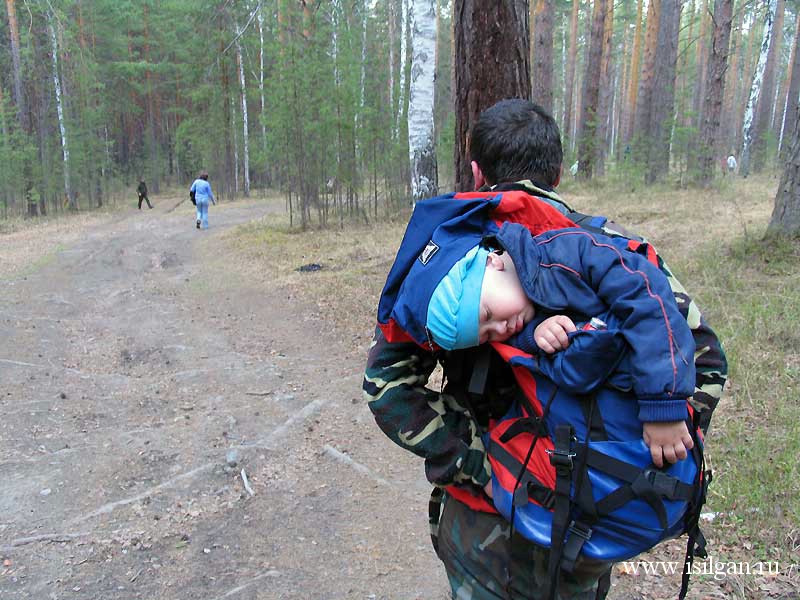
{"points": [[515, 140]]}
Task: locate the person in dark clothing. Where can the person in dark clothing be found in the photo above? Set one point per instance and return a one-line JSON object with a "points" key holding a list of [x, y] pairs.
{"points": [[142, 191]]}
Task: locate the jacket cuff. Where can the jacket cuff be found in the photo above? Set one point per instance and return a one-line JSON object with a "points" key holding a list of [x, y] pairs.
{"points": [[477, 468], [651, 411]]}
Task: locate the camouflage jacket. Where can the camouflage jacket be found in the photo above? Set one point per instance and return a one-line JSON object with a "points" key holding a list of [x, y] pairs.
{"points": [[438, 426]]}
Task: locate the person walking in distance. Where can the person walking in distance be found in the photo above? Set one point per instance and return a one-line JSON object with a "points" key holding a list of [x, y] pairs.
{"points": [[142, 191], [202, 194]]}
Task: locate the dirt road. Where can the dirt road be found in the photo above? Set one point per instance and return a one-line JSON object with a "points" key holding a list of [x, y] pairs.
{"points": [[138, 379]]}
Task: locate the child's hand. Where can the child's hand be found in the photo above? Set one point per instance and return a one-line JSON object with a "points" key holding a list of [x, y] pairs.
{"points": [[551, 334], [669, 440]]}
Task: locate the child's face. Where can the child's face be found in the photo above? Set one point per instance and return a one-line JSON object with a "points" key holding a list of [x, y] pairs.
{"points": [[504, 307]]}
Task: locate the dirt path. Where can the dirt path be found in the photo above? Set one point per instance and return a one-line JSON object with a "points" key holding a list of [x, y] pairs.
{"points": [[135, 370]]}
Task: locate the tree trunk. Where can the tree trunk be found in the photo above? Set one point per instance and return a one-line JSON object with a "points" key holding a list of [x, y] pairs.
{"points": [[588, 125], [633, 83], [421, 140], [785, 218], [749, 125], [568, 127], [793, 95], [245, 132], [542, 72], [60, 110], [401, 100], [605, 90], [491, 63], [766, 101], [715, 86], [644, 94], [261, 80], [19, 98], [663, 90], [700, 77]]}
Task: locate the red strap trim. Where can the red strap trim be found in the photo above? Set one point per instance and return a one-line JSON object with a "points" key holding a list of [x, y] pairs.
{"points": [[471, 499], [396, 334], [651, 256]]}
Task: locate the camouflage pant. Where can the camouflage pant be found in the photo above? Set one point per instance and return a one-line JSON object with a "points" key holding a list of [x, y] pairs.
{"points": [[482, 563]]}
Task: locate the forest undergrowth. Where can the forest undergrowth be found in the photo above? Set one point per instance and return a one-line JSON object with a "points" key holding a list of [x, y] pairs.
{"points": [[747, 288]]}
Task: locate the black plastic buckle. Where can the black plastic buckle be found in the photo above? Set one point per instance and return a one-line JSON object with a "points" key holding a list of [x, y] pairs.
{"points": [[664, 485], [561, 458], [581, 530]]}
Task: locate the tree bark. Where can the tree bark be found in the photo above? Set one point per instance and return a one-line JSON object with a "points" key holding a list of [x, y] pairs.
{"points": [[421, 147], [663, 94], [793, 95], [633, 80], [644, 94], [568, 126], [605, 90], [715, 86], [19, 98], [491, 63], [542, 72], [588, 126], [749, 126], [700, 77], [785, 218]]}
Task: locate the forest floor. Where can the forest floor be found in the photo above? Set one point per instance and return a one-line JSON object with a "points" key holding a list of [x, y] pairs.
{"points": [[176, 422]]}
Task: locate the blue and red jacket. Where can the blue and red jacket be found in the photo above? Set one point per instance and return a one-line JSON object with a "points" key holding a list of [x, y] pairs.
{"points": [[563, 271]]}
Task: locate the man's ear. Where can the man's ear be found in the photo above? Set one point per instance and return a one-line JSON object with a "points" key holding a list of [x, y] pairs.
{"points": [[558, 177], [477, 175]]}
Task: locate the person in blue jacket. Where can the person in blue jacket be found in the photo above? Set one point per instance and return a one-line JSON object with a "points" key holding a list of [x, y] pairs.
{"points": [[530, 290], [201, 191]]}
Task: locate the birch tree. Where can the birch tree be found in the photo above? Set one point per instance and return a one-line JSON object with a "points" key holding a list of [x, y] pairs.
{"points": [[60, 110], [766, 102], [755, 90], [261, 77], [401, 88], [421, 148], [245, 132]]}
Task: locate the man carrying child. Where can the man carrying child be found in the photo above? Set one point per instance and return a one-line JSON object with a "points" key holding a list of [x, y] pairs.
{"points": [[515, 146]]}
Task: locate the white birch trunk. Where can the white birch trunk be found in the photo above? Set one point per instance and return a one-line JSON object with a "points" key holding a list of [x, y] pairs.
{"points": [[421, 150], [755, 90], [235, 148], [390, 8], [261, 77], [60, 109], [245, 134], [401, 95]]}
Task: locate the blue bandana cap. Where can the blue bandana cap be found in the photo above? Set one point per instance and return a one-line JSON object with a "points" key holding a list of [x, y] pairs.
{"points": [[453, 311]]}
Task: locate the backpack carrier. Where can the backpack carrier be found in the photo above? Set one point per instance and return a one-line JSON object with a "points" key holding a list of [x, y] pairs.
{"points": [[570, 470]]}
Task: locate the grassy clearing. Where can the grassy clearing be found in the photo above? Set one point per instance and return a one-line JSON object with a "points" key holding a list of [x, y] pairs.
{"points": [[749, 290]]}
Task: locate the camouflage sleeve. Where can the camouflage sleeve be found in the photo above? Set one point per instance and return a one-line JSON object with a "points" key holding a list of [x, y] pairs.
{"points": [[709, 358], [428, 423]]}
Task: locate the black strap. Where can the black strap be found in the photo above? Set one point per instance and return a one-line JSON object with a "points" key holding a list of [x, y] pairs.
{"points": [[532, 425], [561, 458], [529, 486]]}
